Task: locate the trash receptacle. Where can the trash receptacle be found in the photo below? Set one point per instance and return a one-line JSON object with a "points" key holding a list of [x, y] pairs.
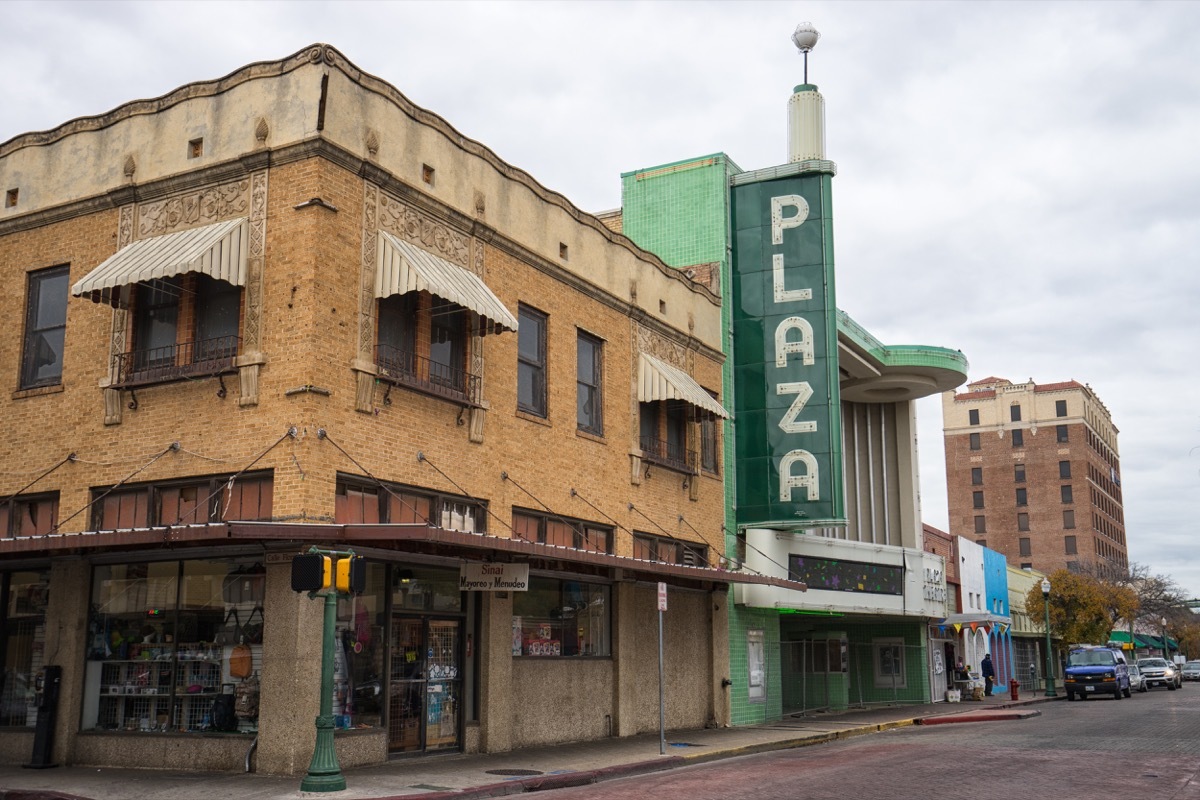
{"points": [[1014, 687]]}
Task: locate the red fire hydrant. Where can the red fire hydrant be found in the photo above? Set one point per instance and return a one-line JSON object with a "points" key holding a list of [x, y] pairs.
{"points": [[1013, 686]]}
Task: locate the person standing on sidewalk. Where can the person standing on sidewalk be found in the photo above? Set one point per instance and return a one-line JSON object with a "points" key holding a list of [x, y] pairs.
{"points": [[989, 674]]}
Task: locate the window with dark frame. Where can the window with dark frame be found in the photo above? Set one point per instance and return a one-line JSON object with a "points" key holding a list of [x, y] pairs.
{"points": [[359, 501], [190, 501], [1022, 521], [1061, 432], [1022, 497], [1070, 547], [1060, 408], [1067, 495], [45, 327], [1068, 518], [589, 384], [1064, 469], [1014, 413], [974, 441], [976, 476], [29, 515], [973, 416], [538, 526], [663, 434], [648, 547], [710, 426], [1026, 548], [181, 326], [977, 499], [421, 344], [1018, 437], [531, 362], [1018, 473], [980, 524]]}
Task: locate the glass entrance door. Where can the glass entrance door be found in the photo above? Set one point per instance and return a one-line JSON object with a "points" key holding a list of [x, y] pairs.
{"points": [[425, 691]]}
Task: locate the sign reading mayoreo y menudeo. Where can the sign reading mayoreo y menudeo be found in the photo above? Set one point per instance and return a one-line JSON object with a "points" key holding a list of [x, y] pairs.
{"points": [[788, 443], [479, 577]]}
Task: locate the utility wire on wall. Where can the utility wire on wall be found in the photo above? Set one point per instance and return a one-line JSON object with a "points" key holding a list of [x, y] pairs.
{"points": [[70, 457], [425, 460], [172, 447], [581, 527], [228, 485], [323, 435]]}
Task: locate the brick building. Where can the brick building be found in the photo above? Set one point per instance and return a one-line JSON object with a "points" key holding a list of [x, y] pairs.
{"points": [[1033, 471], [290, 308]]}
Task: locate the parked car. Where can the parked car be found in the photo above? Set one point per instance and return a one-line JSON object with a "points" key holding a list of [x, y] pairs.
{"points": [[1160, 672], [1136, 679], [1096, 670], [1190, 671]]}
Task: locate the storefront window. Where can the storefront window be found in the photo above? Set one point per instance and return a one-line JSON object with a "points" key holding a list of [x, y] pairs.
{"points": [[358, 655], [426, 589], [175, 646], [561, 618], [24, 644]]}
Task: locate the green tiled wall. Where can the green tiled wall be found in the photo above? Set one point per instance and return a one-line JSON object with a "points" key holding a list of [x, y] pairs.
{"points": [[742, 711], [679, 211]]}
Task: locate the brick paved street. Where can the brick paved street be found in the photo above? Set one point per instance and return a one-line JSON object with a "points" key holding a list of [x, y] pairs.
{"points": [[1145, 746]]}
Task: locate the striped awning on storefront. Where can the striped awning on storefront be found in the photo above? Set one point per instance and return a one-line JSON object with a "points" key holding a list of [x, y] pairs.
{"points": [[404, 267], [658, 380], [219, 251]]}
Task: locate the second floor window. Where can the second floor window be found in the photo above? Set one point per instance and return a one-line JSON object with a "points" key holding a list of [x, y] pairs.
{"points": [[421, 344], [589, 383], [663, 434], [181, 326], [531, 362], [45, 328], [358, 502]]}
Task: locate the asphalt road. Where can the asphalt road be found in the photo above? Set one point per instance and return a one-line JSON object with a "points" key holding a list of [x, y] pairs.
{"points": [[1142, 747]]}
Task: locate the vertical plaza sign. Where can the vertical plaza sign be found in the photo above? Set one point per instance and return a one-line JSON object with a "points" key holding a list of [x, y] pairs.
{"points": [[788, 415]]}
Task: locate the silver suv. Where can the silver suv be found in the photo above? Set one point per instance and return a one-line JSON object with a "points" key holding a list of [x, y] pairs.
{"points": [[1160, 672]]}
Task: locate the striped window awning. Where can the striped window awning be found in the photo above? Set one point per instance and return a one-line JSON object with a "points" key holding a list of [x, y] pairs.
{"points": [[218, 251], [403, 267], [661, 381]]}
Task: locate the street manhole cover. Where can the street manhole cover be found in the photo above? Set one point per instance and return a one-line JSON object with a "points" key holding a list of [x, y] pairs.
{"points": [[513, 772]]}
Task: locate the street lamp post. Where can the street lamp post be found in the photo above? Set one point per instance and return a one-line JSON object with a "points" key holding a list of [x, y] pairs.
{"points": [[1049, 661], [1166, 650]]}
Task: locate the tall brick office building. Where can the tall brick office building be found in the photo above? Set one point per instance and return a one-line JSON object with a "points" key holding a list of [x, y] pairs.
{"points": [[1033, 471], [290, 308]]}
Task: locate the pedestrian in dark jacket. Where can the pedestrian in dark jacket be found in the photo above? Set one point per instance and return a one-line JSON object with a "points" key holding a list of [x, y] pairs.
{"points": [[989, 673]]}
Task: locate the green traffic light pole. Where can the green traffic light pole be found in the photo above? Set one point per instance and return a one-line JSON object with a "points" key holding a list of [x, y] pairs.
{"points": [[1049, 662], [324, 773]]}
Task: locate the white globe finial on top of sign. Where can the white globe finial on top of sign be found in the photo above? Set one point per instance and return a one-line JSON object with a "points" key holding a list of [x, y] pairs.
{"points": [[805, 38]]}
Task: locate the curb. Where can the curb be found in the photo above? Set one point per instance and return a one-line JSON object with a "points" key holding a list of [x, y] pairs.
{"points": [[987, 716]]}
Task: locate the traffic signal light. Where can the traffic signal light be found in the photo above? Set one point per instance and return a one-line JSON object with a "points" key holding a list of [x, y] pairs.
{"points": [[352, 574], [311, 572]]}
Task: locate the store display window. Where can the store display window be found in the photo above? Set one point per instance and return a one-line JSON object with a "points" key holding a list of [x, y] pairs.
{"points": [[562, 618], [24, 643], [358, 690], [175, 646]]}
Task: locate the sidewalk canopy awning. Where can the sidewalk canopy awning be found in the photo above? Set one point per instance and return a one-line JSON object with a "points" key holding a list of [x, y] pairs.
{"points": [[403, 267], [660, 381], [218, 251]]}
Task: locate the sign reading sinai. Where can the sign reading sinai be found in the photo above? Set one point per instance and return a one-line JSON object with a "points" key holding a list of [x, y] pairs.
{"points": [[788, 415]]}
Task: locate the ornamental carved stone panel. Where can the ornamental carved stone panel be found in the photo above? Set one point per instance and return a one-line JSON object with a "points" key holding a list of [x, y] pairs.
{"points": [[192, 209]]}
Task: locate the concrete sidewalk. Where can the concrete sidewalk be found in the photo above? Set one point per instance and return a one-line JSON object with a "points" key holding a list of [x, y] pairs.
{"points": [[497, 774]]}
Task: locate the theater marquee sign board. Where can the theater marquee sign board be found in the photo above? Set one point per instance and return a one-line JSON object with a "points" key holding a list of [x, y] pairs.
{"points": [[788, 413]]}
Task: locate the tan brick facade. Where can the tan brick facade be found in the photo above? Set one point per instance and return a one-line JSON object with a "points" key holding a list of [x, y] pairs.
{"points": [[304, 401]]}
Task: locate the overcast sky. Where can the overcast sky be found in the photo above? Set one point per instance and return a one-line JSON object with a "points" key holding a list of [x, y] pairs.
{"points": [[1019, 181]]}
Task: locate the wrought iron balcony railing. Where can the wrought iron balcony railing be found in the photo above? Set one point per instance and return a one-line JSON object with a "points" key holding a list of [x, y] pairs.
{"points": [[666, 454], [176, 362], [421, 374]]}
